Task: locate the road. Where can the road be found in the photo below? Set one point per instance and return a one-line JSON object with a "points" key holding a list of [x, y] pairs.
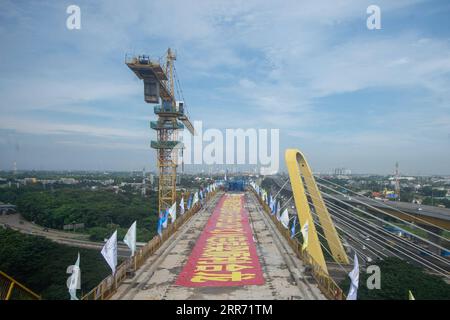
{"points": [[281, 269], [371, 244], [79, 240]]}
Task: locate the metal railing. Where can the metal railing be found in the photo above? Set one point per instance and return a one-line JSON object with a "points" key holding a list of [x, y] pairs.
{"points": [[325, 282], [11, 289], [109, 285]]}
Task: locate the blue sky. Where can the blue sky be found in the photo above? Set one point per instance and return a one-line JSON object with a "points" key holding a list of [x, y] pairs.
{"points": [[345, 95]]}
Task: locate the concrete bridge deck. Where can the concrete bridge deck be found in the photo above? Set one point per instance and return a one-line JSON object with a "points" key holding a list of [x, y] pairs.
{"points": [[282, 270]]}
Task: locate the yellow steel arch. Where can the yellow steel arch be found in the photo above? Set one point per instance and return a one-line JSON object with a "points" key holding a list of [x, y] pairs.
{"points": [[302, 180]]}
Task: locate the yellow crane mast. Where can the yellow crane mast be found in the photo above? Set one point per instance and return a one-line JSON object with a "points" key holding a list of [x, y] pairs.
{"points": [[159, 89]]}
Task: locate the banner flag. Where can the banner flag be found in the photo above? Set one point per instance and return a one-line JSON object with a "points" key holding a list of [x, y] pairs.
{"points": [[284, 219], [130, 238], [74, 281], [354, 277], [109, 252], [182, 206]]}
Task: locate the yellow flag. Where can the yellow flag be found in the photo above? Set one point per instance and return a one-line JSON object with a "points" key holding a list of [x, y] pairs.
{"points": [[410, 295]]}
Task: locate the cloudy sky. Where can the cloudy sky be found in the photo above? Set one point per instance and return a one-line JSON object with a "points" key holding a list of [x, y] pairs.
{"points": [[345, 95]]}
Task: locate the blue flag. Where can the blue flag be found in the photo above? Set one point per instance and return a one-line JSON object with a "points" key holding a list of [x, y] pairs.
{"points": [[160, 223], [189, 203], [293, 227], [164, 218]]}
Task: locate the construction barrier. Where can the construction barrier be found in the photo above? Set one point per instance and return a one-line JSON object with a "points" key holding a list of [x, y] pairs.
{"points": [[10, 289], [109, 285], [325, 283]]}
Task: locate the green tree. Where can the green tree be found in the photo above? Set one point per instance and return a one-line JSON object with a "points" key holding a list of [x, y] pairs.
{"points": [[41, 264], [397, 277]]}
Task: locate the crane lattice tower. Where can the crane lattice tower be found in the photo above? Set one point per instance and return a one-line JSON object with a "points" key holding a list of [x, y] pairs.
{"points": [[159, 88]]}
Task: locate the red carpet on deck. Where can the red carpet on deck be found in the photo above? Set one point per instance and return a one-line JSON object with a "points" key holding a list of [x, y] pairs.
{"points": [[225, 254]]}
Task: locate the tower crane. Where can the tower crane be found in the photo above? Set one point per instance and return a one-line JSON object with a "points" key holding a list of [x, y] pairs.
{"points": [[159, 89]]}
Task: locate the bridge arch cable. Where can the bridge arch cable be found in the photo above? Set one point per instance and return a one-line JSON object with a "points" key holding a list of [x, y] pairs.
{"points": [[362, 254], [347, 220], [382, 230], [353, 216], [422, 261], [328, 251], [372, 249], [377, 253], [386, 205], [284, 206], [392, 216], [382, 243], [359, 230], [332, 206], [383, 203], [387, 222]]}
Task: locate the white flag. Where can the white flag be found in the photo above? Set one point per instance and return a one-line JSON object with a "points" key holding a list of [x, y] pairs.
{"points": [[354, 277], [195, 198], [109, 252], [284, 219], [74, 281], [304, 231], [130, 238], [165, 219], [173, 211], [182, 206]]}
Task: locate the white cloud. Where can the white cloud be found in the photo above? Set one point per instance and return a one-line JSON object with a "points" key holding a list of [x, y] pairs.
{"points": [[250, 64]]}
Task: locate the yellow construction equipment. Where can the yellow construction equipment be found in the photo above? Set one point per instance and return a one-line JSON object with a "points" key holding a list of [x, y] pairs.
{"points": [[159, 88]]}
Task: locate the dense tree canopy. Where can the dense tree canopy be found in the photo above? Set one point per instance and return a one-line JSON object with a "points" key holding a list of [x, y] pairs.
{"points": [[41, 264], [397, 278], [101, 211]]}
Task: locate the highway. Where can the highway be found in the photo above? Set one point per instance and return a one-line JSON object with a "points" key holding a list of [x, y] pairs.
{"points": [[371, 244], [79, 240], [435, 215]]}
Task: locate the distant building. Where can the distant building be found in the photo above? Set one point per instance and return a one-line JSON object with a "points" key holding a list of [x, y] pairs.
{"points": [[68, 181], [342, 171], [108, 182], [7, 208]]}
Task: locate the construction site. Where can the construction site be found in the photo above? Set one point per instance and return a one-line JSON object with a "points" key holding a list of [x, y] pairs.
{"points": [[294, 239], [224, 158]]}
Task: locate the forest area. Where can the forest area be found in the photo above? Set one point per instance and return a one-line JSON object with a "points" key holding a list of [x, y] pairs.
{"points": [[101, 211], [41, 264]]}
